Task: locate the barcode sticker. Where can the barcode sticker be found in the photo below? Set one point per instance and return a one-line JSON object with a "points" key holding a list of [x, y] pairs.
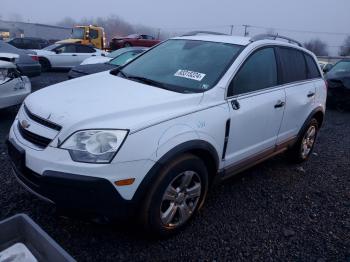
{"points": [[190, 75]]}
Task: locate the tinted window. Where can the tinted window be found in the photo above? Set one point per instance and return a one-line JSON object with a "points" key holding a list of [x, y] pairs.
{"points": [[293, 65], [312, 70], [258, 72], [66, 49], [85, 49], [93, 34]]}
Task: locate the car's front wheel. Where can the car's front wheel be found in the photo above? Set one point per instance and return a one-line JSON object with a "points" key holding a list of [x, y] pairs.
{"points": [[176, 196]]}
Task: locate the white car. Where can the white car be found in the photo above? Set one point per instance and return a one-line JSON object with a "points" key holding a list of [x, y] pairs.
{"points": [[145, 141], [66, 55], [13, 87]]}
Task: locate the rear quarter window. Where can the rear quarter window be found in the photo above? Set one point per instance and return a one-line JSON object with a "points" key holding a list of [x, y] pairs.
{"points": [[312, 69], [293, 65]]}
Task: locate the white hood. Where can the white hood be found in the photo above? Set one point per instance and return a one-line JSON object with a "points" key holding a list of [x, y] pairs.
{"points": [[106, 101], [96, 60]]}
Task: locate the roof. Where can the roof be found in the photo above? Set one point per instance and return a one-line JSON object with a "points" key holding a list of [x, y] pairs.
{"points": [[236, 40]]}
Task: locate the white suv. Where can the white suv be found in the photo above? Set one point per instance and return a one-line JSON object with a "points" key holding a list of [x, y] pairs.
{"points": [[146, 140]]}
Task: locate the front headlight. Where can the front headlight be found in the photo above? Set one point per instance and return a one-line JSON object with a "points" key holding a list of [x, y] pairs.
{"points": [[94, 146]]}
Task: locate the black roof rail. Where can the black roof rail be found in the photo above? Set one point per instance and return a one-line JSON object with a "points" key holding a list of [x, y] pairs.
{"points": [[274, 37], [202, 33]]}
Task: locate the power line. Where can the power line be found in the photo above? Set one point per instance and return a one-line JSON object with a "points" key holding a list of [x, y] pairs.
{"points": [[261, 27]]}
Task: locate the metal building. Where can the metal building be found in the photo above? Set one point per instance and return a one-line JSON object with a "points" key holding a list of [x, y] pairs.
{"points": [[9, 29]]}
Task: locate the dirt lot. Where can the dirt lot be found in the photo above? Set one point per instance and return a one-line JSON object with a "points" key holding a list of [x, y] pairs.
{"points": [[275, 211]]}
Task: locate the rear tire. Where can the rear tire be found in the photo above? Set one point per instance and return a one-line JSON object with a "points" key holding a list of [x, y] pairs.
{"points": [[175, 197], [302, 149], [45, 64], [127, 44]]}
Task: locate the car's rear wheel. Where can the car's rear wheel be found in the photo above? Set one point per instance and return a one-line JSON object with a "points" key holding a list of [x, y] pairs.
{"points": [[176, 196], [127, 44], [302, 149], [45, 64]]}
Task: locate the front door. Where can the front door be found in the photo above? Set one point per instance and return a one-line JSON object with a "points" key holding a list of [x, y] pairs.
{"points": [[256, 108]]}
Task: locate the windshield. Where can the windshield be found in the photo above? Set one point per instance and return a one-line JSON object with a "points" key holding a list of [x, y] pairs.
{"points": [[124, 58], [342, 66], [118, 52], [183, 65], [51, 47], [78, 33]]}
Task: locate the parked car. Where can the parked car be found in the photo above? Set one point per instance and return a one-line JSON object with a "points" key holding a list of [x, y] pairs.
{"points": [[133, 40], [338, 79], [110, 56], [29, 43], [146, 140], [27, 63], [66, 55], [125, 55], [13, 87]]}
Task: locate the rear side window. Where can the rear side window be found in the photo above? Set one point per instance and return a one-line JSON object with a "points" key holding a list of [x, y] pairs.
{"points": [[312, 69], [293, 65], [85, 49], [258, 72]]}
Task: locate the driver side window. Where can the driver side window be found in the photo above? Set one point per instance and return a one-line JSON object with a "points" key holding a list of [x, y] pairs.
{"points": [[258, 72]]}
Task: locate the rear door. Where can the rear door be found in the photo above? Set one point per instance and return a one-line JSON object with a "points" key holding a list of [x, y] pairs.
{"points": [[84, 52], [66, 56], [256, 104], [300, 92]]}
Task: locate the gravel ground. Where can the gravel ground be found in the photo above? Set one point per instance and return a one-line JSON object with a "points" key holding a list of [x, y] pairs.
{"points": [[274, 211]]}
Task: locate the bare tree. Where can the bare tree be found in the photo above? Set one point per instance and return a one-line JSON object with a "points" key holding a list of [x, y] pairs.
{"points": [[345, 48], [317, 46], [114, 26], [67, 22], [15, 17]]}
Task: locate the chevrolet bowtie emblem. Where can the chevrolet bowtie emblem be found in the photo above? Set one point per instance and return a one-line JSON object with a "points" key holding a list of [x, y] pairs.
{"points": [[25, 124]]}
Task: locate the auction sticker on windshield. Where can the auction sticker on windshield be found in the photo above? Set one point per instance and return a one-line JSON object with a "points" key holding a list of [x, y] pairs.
{"points": [[190, 75]]}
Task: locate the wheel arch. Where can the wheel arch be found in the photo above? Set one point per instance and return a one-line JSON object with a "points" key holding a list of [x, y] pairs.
{"points": [[199, 148], [43, 58], [318, 114]]}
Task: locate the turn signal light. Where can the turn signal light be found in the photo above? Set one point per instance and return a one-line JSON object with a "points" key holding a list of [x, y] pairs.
{"points": [[125, 182]]}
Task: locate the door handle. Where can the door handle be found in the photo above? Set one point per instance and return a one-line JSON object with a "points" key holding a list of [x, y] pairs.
{"points": [[93, 55], [310, 94], [235, 104], [74, 55], [280, 104]]}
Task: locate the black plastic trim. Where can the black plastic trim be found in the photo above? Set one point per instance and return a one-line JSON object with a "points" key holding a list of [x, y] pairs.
{"points": [[40, 120]]}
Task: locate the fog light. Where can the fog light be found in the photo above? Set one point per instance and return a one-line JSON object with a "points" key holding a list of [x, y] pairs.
{"points": [[125, 182]]}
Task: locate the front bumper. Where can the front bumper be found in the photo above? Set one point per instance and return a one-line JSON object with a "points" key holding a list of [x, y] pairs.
{"points": [[77, 193], [74, 74]]}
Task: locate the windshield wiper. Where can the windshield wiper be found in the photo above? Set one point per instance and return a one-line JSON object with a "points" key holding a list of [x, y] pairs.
{"points": [[148, 81]]}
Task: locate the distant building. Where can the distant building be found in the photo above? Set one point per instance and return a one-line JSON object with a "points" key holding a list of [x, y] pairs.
{"points": [[10, 29]]}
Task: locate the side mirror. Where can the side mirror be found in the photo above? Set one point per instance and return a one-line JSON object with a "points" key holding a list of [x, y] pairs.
{"points": [[327, 68], [58, 51]]}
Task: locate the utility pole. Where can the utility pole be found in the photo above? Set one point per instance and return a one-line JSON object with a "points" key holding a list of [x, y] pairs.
{"points": [[231, 26], [245, 29], [158, 33]]}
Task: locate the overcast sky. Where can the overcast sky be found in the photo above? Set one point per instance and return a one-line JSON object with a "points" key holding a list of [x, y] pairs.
{"points": [[308, 15]]}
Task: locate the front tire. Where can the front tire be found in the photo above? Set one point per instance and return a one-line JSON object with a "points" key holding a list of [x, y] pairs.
{"points": [[175, 197], [302, 149]]}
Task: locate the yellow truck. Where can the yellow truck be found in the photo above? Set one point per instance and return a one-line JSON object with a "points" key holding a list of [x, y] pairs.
{"points": [[87, 35]]}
